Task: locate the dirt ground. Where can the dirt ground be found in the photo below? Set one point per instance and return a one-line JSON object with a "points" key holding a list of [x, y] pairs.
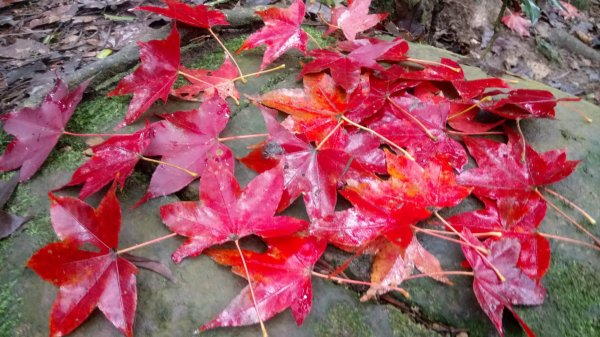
{"points": [[39, 39]]}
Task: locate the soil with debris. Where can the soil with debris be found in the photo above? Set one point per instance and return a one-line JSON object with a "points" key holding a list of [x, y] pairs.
{"points": [[562, 52]]}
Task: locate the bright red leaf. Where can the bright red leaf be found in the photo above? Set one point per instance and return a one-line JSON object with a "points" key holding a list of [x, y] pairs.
{"points": [[447, 72], [517, 23], [523, 103], [316, 109], [114, 159], [475, 88], [227, 213], [315, 174], [153, 78], [87, 279], [493, 294], [534, 258], [208, 82], [199, 16], [511, 177], [396, 48], [281, 278], [353, 19], [282, 32], [188, 139], [37, 130]]}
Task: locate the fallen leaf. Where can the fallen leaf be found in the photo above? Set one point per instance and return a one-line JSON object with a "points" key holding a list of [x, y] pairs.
{"points": [[9, 223], [87, 279], [228, 213], [353, 19], [37, 130], [517, 23], [153, 78], [199, 16], [281, 278], [281, 32], [209, 81]]}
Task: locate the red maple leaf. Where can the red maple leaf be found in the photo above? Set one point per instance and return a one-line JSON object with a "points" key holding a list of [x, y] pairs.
{"points": [[153, 78], [534, 258], [468, 90], [188, 139], [494, 294], [410, 195], [346, 69], [281, 278], [353, 19], [87, 278], [517, 23], [416, 123], [37, 130], [199, 16], [282, 31], [465, 117], [315, 174], [208, 82], [392, 264], [511, 177], [448, 71], [523, 103], [396, 48], [317, 108], [114, 159], [227, 213]]}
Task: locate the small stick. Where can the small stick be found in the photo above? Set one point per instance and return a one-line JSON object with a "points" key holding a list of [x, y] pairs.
{"points": [[193, 174], [349, 260], [262, 324], [484, 234], [396, 146], [227, 52], [362, 283], [224, 139], [147, 243], [500, 276], [94, 134], [581, 228], [414, 119], [486, 98], [570, 203], [329, 135]]}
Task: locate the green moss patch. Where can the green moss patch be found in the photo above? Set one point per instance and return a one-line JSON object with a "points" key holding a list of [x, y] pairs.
{"points": [[343, 319]]}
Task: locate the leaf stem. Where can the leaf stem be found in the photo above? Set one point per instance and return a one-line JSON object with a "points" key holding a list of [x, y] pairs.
{"points": [[570, 203], [441, 273], [585, 117], [279, 67], [394, 145], [524, 144], [67, 133], [224, 139], [414, 119], [262, 324], [500, 276], [312, 38], [476, 105], [446, 238], [362, 283], [568, 218], [431, 63], [484, 234], [227, 52], [569, 240], [147, 243], [193, 174], [329, 134], [458, 133]]}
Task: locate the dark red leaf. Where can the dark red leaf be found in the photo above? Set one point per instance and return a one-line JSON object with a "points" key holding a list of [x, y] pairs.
{"points": [[153, 78], [282, 31], [523, 103], [37, 130], [113, 159], [149, 264], [87, 279]]}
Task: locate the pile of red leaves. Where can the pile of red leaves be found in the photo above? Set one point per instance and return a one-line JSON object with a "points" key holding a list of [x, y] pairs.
{"points": [[390, 134]]}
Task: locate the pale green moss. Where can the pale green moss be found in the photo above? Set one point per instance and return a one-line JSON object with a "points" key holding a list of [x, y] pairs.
{"points": [[99, 114], [343, 319], [402, 326]]}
